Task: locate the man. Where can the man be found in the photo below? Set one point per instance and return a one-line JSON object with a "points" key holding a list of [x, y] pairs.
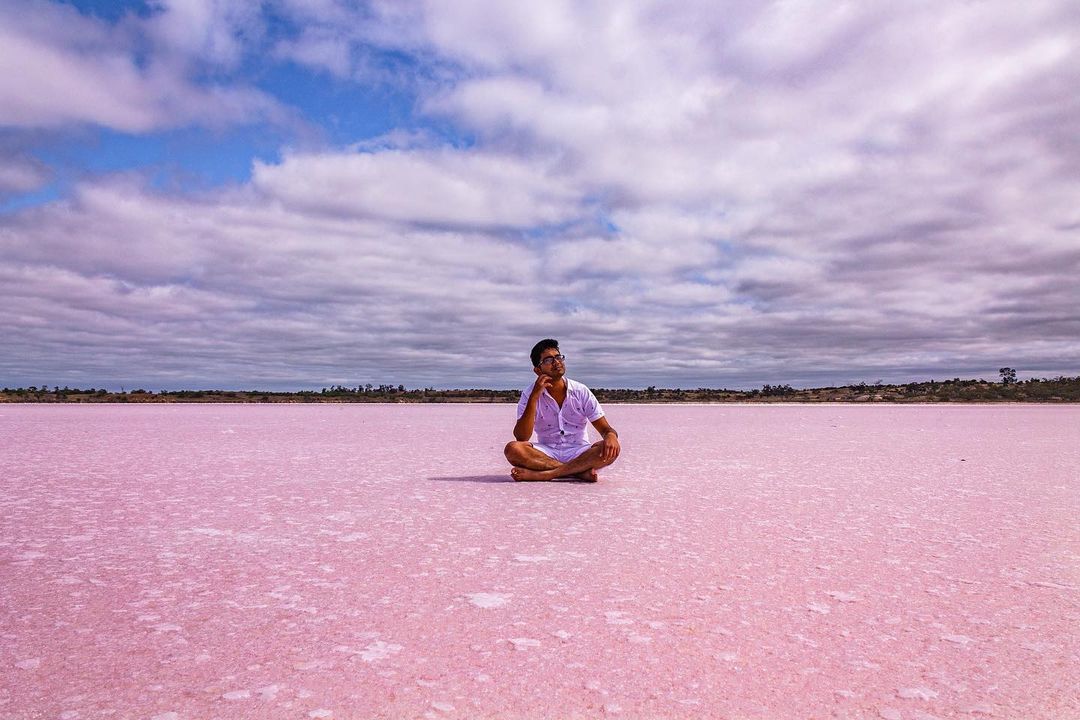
{"points": [[558, 408]]}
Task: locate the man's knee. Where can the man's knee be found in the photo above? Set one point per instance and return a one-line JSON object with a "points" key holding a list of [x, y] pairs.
{"points": [[514, 449]]}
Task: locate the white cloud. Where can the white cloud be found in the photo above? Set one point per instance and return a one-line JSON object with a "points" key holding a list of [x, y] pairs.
{"points": [[59, 68], [441, 186], [740, 114], [488, 35], [348, 39], [321, 49], [18, 175], [627, 255], [208, 31]]}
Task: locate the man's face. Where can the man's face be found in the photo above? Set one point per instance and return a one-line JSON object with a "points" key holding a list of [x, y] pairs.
{"points": [[550, 364]]}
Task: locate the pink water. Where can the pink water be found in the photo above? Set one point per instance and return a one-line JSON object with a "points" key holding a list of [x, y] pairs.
{"points": [[374, 561]]}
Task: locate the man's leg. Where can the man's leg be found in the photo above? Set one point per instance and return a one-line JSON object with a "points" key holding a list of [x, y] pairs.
{"points": [[523, 455], [585, 463]]}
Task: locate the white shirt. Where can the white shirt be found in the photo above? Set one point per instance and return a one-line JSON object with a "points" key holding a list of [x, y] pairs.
{"points": [[565, 426]]}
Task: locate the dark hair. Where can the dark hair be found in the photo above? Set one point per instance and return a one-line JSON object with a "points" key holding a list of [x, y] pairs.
{"points": [[540, 347]]}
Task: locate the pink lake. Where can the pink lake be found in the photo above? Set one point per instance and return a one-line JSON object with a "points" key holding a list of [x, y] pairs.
{"points": [[188, 562]]}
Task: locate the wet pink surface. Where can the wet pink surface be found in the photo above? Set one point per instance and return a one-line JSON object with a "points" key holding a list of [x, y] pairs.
{"points": [[370, 561]]}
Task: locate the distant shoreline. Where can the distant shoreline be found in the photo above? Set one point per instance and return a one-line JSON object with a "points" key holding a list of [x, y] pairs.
{"points": [[616, 403], [1038, 390]]}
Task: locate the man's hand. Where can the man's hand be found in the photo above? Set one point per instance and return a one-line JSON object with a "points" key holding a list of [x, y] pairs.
{"points": [[610, 439], [611, 446], [543, 382]]}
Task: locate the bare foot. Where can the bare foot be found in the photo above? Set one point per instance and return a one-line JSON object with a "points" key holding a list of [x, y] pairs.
{"points": [[520, 474], [588, 476]]}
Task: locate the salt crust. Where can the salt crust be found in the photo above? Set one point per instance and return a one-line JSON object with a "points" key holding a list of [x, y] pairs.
{"points": [[184, 562]]}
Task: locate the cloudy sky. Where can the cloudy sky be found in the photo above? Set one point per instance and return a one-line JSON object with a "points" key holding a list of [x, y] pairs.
{"points": [[297, 193]]}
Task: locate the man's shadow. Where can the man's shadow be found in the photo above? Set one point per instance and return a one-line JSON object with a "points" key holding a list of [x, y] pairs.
{"points": [[477, 478], [504, 479]]}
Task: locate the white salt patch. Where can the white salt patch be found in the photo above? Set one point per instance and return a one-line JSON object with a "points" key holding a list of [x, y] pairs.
{"points": [[488, 600], [822, 608], [612, 709], [320, 713], [482, 677], [269, 692], [69, 715], [958, 639], [640, 639], [167, 716], [237, 695], [890, 714], [352, 537], [379, 650], [561, 634], [443, 707], [916, 693], [28, 664], [167, 627], [843, 597], [844, 694], [346, 649], [524, 643], [211, 532], [655, 624], [30, 555], [866, 664], [727, 656], [531, 558], [617, 617]]}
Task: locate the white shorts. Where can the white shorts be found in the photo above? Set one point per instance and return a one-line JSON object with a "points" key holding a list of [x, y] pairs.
{"points": [[563, 454]]}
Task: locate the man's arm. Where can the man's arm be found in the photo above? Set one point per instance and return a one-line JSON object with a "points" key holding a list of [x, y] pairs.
{"points": [[523, 430], [611, 438]]}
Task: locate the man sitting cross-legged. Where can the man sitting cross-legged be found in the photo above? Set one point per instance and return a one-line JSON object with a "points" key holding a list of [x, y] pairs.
{"points": [[558, 408]]}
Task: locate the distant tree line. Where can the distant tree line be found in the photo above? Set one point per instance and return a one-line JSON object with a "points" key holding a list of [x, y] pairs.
{"points": [[1009, 389], [362, 389]]}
